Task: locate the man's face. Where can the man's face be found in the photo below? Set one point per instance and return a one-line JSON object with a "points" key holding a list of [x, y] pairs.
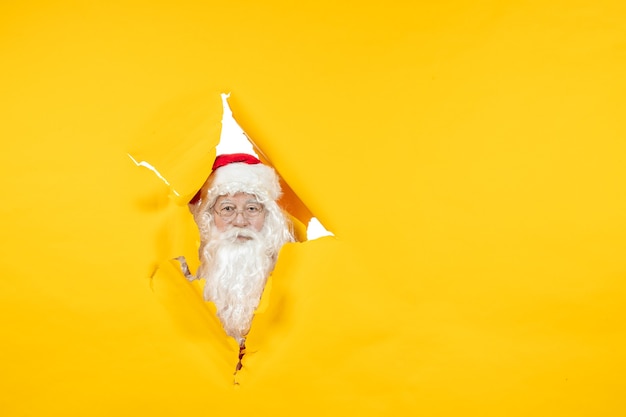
{"points": [[238, 210]]}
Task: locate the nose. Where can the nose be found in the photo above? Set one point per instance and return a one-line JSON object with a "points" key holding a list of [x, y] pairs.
{"points": [[240, 220]]}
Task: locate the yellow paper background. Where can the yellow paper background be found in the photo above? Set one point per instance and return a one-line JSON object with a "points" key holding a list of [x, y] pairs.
{"points": [[468, 156]]}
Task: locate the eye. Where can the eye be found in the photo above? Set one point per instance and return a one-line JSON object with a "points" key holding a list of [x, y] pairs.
{"points": [[227, 209]]}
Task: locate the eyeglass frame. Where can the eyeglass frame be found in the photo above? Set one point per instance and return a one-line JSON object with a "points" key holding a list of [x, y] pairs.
{"points": [[243, 212]]}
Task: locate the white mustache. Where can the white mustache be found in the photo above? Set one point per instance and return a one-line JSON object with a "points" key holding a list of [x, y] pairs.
{"points": [[233, 233]]}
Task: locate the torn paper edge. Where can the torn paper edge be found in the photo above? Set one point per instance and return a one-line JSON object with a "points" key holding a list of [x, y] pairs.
{"points": [[315, 230], [157, 173]]}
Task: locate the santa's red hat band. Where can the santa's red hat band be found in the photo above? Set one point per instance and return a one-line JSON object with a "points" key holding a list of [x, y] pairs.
{"points": [[222, 160]]}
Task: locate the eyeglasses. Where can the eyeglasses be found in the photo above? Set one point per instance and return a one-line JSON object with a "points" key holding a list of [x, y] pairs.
{"points": [[229, 211]]}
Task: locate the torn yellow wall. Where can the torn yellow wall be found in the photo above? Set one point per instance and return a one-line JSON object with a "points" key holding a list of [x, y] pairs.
{"points": [[468, 156]]}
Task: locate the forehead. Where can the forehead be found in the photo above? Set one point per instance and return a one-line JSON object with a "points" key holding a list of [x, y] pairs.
{"points": [[240, 198]]}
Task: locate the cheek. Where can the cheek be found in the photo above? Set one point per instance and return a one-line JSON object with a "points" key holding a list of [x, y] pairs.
{"points": [[257, 223], [220, 224]]}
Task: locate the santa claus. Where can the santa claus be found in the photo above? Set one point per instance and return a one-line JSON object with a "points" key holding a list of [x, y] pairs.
{"points": [[242, 229]]}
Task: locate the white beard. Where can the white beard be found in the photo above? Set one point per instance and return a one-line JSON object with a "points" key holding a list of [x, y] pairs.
{"points": [[236, 271]]}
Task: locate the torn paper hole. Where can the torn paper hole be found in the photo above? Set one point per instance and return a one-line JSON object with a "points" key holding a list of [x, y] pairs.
{"points": [[243, 245]]}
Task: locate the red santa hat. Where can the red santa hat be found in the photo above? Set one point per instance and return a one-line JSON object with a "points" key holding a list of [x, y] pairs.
{"points": [[242, 173]]}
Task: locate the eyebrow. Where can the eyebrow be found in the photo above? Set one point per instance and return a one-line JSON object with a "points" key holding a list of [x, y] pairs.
{"points": [[229, 201]]}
